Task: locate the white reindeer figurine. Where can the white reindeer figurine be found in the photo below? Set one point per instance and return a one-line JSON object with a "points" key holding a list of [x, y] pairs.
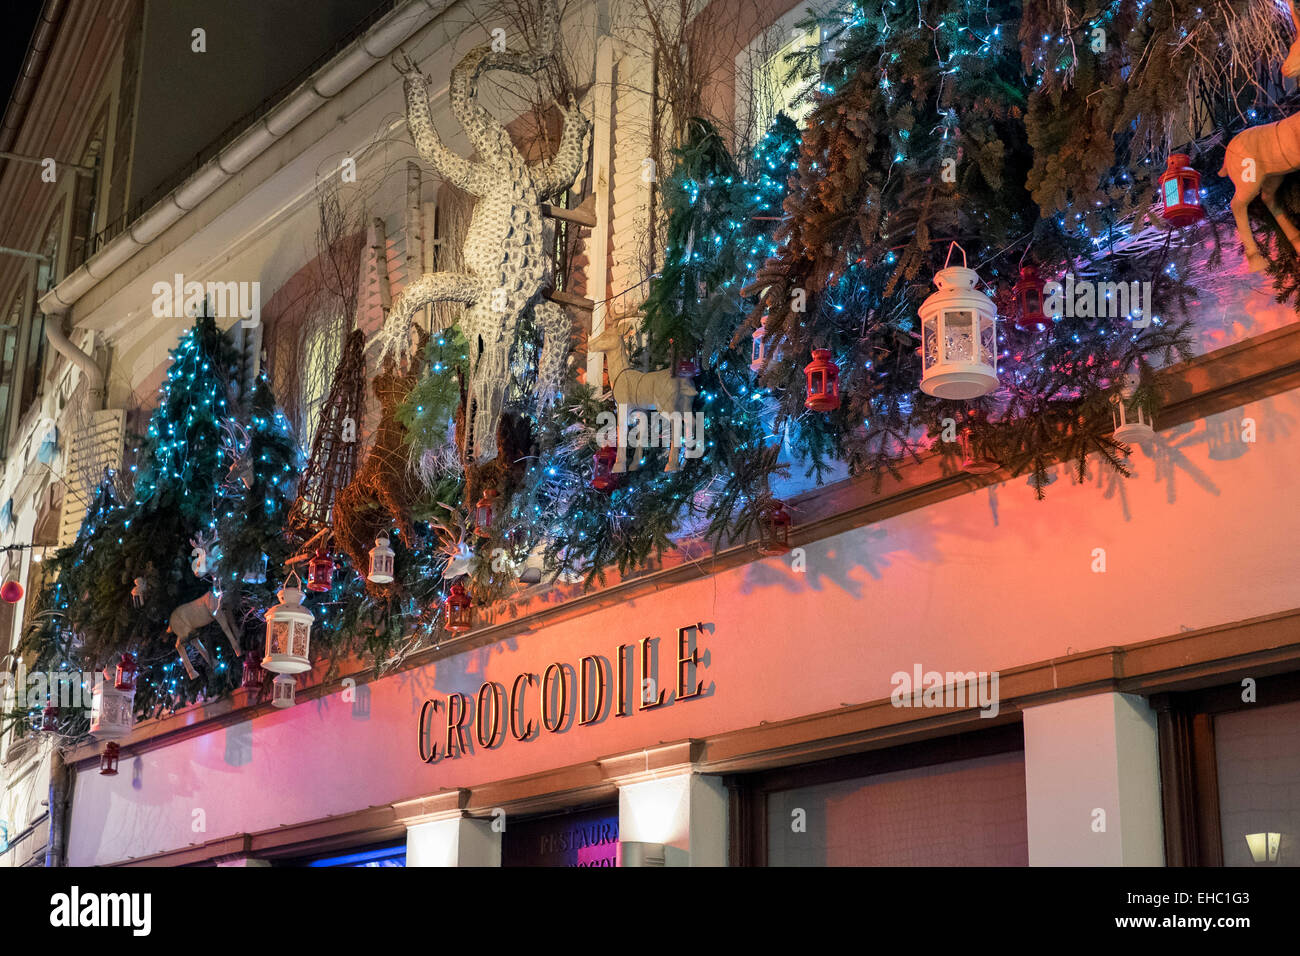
{"points": [[637, 390], [192, 616], [1258, 158]]}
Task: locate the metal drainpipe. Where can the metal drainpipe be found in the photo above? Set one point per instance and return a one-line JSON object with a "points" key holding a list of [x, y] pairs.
{"points": [[60, 792], [89, 367]]}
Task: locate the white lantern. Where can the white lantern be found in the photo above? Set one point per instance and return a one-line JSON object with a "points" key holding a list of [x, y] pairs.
{"points": [[282, 689], [111, 709], [381, 562], [959, 336], [288, 631], [1132, 424]]}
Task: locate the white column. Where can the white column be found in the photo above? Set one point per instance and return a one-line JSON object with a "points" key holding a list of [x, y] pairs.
{"points": [[1092, 782], [455, 841], [684, 812]]}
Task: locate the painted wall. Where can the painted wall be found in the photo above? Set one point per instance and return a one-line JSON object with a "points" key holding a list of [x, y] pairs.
{"points": [[985, 581]]}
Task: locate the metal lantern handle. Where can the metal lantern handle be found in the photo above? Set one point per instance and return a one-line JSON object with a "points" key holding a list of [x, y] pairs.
{"points": [[294, 575], [951, 246]]}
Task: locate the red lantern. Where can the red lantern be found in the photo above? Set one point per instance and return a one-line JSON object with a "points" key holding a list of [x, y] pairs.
{"points": [[108, 761], [688, 367], [483, 513], [320, 572], [459, 608], [50, 718], [253, 673], [1030, 316], [126, 671], [602, 469], [823, 382], [759, 353], [1180, 191], [773, 529], [11, 592], [973, 459]]}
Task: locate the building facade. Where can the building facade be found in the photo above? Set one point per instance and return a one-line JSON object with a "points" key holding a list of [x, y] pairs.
{"points": [[944, 671]]}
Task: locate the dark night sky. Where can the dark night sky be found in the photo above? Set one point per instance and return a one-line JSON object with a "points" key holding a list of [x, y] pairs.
{"points": [[19, 21]]}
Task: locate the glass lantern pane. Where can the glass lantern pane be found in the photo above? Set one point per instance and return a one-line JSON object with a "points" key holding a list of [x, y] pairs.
{"points": [[930, 342], [988, 342], [279, 637], [1190, 198], [757, 352], [959, 336], [1033, 305], [1171, 192], [300, 632]]}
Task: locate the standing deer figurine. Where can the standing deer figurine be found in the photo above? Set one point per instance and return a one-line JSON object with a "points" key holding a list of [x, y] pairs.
{"points": [[192, 616], [659, 390], [1258, 158]]}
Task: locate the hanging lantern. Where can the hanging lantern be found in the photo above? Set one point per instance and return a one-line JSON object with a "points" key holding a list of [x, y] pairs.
{"points": [[1180, 192], [11, 592], [282, 691], [126, 673], [773, 529], [381, 562], [823, 382], [602, 469], [688, 367], [320, 572], [1030, 316], [973, 459], [459, 608], [1132, 424], [138, 592], [758, 355], [111, 709], [50, 718], [253, 673], [288, 631], [959, 339], [483, 513], [108, 760]]}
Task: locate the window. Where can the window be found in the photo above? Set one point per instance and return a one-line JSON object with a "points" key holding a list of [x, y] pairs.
{"points": [[957, 801], [1230, 774], [86, 218], [768, 82], [322, 351], [47, 275], [8, 363]]}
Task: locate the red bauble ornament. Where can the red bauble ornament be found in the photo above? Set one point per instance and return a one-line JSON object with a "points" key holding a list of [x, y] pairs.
{"points": [[108, 761], [602, 469], [823, 382], [1030, 316], [460, 609], [1180, 192], [773, 529], [126, 672], [11, 592], [320, 572]]}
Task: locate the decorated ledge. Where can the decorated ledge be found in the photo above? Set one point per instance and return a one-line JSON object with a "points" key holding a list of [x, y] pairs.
{"points": [[1227, 378], [1258, 647]]}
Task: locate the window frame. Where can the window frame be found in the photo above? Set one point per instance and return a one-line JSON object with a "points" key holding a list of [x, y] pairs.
{"points": [[1189, 772], [747, 843]]}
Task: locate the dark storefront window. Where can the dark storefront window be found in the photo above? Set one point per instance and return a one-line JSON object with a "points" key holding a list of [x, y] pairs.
{"points": [[959, 801], [587, 837], [390, 855], [1230, 773]]}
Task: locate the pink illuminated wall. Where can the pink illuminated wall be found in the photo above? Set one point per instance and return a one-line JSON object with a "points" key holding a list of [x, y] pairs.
{"points": [[985, 581]]}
